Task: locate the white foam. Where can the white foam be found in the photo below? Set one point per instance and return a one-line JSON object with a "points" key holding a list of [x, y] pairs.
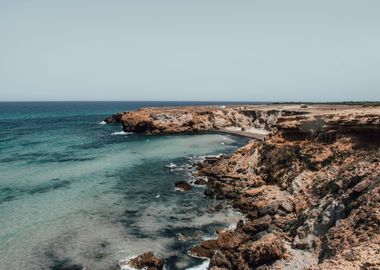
{"points": [[203, 266], [126, 267], [209, 237], [232, 227], [124, 264], [171, 165], [121, 133], [102, 123]]}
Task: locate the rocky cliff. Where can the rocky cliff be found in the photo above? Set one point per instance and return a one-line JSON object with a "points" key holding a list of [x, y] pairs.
{"points": [[199, 119], [310, 191]]}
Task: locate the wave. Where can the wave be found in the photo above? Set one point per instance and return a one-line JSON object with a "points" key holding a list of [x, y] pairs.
{"points": [[171, 166], [121, 133], [203, 266], [175, 167], [102, 123], [123, 264]]}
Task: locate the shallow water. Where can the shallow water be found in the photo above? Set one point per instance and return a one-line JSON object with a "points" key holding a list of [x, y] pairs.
{"points": [[75, 193]]}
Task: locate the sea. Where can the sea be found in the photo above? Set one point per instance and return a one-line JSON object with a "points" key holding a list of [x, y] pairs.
{"points": [[76, 193]]}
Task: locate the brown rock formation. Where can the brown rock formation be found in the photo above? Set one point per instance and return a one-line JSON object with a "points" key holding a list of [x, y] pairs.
{"points": [[198, 119], [147, 261], [310, 192], [183, 185], [318, 193]]}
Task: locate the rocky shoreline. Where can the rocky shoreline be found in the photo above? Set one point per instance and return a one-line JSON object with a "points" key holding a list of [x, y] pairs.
{"points": [[310, 191]]}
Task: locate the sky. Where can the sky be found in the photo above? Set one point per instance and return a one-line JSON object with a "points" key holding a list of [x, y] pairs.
{"points": [[193, 50]]}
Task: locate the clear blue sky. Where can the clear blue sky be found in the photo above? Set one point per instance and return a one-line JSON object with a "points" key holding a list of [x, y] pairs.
{"points": [[321, 50]]}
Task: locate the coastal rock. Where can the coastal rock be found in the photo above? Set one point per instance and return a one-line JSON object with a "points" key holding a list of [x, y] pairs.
{"points": [[304, 187], [239, 120], [147, 261], [218, 268], [115, 118], [109, 120], [309, 192], [206, 249], [220, 261], [210, 244], [208, 193], [264, 251], [182, 237], [252, 227], [183, 185], [229, 240], [202, 252], [200, 182]]}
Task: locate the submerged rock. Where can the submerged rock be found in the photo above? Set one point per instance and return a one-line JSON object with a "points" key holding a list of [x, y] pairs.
{"points": [[182, 238]]}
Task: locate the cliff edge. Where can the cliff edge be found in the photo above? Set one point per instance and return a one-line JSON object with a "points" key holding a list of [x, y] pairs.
{"points": [[310, 190]]}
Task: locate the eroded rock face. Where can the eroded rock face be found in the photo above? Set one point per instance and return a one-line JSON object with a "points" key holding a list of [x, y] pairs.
{"points": [[266, 250], [318, 195], [310, 192], [147, 261], [196, 119]]}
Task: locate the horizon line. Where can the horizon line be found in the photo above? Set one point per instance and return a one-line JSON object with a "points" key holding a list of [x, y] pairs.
{"points": [[201, 101]]}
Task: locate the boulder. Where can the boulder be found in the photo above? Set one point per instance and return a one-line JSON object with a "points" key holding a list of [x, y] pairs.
{"points": [[183, 185], [115, 118], [208, 193], [200, 182], [231, 240], [210, 244], [202, 252], [270, 208], [220, 262], [257, 225], [286, 206], [266, 250], [182, 237], [147, 260], [109, 120], [206, 249]]}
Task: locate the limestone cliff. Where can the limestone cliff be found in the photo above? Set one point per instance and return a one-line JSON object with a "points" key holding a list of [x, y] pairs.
{"points": [[199, 119], [310, 191]]}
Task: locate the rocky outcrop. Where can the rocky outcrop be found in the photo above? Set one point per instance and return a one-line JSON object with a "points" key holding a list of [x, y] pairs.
{"points": [[318, 195], [115, 118], [199, 119], [183, 186], [310, 191], [147, 261]]}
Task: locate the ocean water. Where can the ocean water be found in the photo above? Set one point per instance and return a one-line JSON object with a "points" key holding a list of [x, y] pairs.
{"points": [[75, 193]]}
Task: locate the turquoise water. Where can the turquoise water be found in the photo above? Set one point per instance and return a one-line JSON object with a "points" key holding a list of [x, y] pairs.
{"points": [[77, 194]]}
